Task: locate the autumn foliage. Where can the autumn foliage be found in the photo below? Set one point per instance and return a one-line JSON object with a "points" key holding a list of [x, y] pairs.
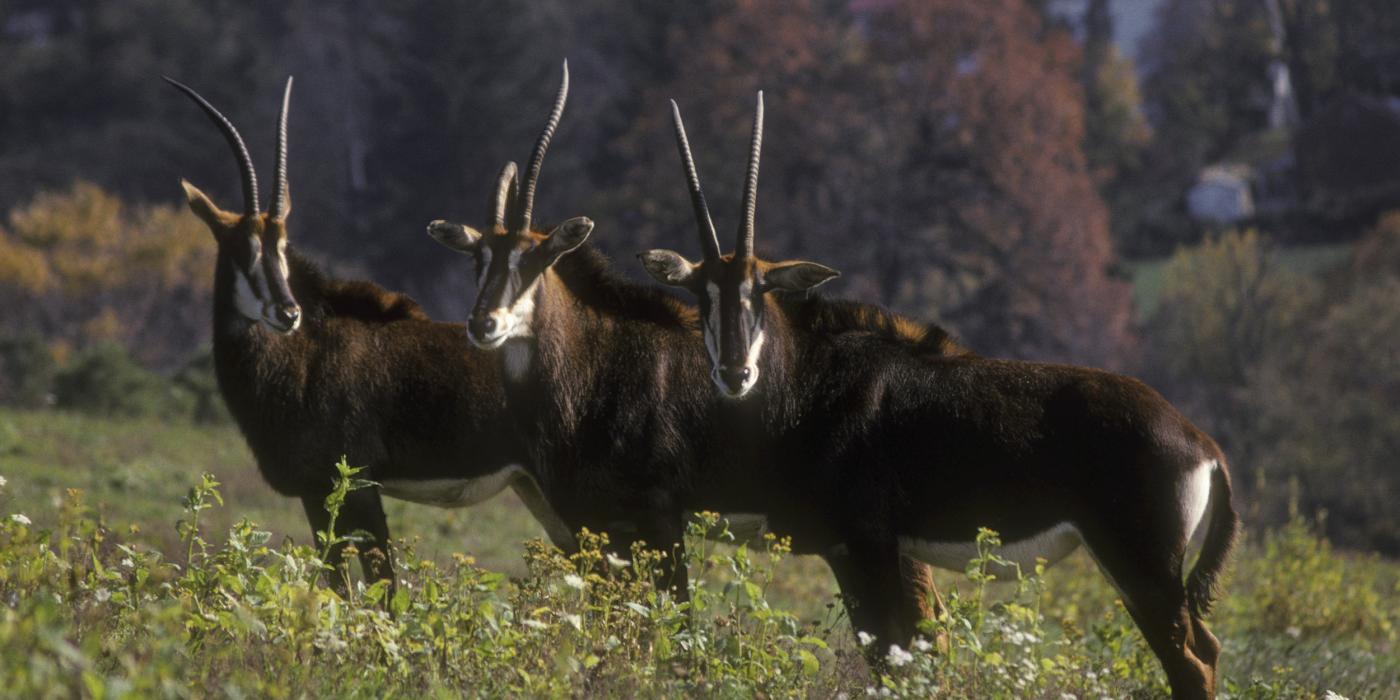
{"points": [[79, 267], [930, 150]]}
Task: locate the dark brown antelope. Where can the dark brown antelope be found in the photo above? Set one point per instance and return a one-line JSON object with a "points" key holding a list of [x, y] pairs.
{"points": [[911, 452], [313, 368], [610, 388]]}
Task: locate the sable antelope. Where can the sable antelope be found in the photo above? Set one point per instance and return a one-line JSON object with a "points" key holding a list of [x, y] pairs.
{"points": [[911, 452], [610, 387], [313, 368]]}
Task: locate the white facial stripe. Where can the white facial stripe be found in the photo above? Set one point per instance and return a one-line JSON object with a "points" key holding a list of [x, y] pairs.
{"points": [[755, 348], [513, 262], [282, 258]]}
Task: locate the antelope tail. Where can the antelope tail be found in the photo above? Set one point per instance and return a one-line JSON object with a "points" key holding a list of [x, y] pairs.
{"points": [[1203, 583]]}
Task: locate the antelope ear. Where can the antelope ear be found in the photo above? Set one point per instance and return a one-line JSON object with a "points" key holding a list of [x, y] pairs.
{"points": [[797, 276], [215, 218], [567, 236], [462, 239], [668, 267]]}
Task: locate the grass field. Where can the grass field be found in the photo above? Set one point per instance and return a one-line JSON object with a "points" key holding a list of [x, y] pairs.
{"points": [[123, 607]]}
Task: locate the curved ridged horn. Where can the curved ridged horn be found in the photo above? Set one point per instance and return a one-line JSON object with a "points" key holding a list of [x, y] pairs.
{"points": [[744, 248], [506, 192], [532, 174], [709, 241], [245, 163], [280, 203]]}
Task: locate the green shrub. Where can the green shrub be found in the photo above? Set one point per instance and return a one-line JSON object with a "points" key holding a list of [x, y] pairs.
{"points": [[197, 379], [26, 371], [87, 612], [105, 380]]}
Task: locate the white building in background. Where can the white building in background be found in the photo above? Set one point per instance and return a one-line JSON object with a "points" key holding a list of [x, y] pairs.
{"points": [[1222, 195]]}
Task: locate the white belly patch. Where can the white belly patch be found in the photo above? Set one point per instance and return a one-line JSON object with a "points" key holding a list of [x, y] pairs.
{"points": [[745, 527], [450, 493], [1051, 545], [456, 493]]}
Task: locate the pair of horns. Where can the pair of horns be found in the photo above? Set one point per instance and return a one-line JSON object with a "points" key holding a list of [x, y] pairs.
{"points": [[709, 241], [278, 207], [513, 211]]}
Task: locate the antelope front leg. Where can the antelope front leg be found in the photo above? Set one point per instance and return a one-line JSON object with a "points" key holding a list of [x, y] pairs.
{"points": [[876, 595], [665, 532], [363, 511]]}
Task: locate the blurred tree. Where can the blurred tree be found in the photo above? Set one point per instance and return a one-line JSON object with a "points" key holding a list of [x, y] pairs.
{"points": [[80, 93], [1223, 305], [1116, 134], [1297, 379], [1205, 86], [931, 150], [26, 370], [80, 267], [1325, 402], [104, 380]]}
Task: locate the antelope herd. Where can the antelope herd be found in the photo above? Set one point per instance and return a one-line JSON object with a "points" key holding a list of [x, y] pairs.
{"points": [[873, 440]]}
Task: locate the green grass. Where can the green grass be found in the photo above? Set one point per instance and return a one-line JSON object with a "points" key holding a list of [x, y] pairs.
{"points": [[98, 598], [1314, 259]]}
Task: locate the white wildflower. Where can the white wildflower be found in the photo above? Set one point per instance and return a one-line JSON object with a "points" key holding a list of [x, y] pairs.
{"points": [[573, 581], [102, 595], [1333, 695], [1068, 696], [922, 644], [3, 481], [126, 562], [865, 638], [535, 624], [21, 518], [898, 657], [1293, 632], [575, 620], [617, 562]]}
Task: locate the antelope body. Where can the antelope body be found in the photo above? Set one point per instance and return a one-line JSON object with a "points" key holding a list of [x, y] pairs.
{"points": [[910, 452], [314, 368], [611, 392]]}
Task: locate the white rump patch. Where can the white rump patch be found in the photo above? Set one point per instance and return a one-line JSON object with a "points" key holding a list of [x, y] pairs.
{"points": [[1193, 495], [1052, 545]]}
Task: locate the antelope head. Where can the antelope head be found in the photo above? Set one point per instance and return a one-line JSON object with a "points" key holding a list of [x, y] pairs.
{"points": [[254, 242], [513, 256], [731, 288]]}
